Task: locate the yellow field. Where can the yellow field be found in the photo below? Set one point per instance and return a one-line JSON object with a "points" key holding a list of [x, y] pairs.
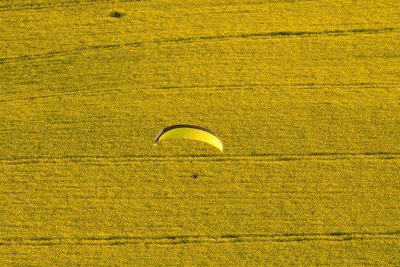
{"points": [[304, 94]]}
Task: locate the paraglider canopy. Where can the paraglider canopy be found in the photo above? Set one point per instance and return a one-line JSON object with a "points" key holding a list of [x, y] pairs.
{"points": [[191, 132]]}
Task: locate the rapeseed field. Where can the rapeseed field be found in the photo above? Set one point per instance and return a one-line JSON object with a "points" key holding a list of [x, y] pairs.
{"points": [[305, 96]]}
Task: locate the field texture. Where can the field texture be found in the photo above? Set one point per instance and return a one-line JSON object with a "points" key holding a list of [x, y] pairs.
{"points": [[304, 94]]}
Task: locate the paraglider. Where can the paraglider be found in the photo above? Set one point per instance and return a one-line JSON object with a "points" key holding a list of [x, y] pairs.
{"points": [[191, 132]]}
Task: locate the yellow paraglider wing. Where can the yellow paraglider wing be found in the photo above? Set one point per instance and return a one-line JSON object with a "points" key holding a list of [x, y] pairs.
{"points": [[191, 132]]}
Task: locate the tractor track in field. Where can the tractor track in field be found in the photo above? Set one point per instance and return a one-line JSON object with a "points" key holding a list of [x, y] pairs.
{"points": [[196, 239], [198, 39], [127, 159], [64, 4], [216, 87]]}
